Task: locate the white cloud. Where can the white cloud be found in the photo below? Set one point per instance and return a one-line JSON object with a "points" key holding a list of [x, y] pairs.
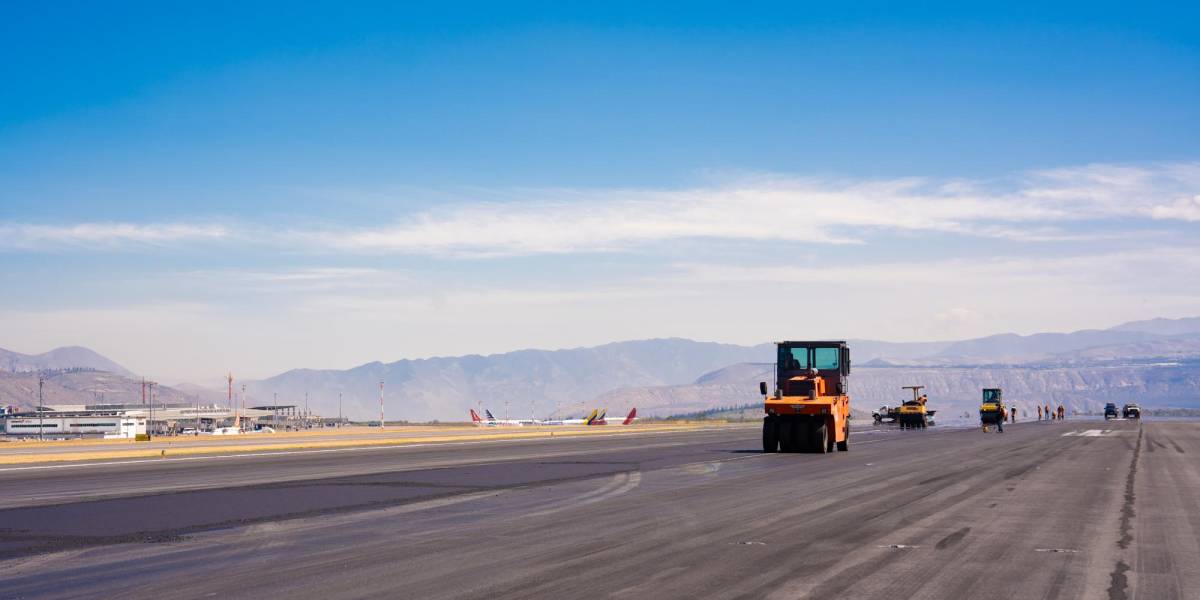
{"points": [[1029, 208], [1184, 209], [23, 235], [1034, 206]]}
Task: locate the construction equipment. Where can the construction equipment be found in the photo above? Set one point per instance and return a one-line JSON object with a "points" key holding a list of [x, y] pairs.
{"points": [[992, 411], [1131, 411], [810, 408], [913, 414]]}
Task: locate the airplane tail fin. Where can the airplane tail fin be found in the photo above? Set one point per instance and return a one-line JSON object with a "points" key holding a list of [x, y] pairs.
{"points": [[598, 419], [475, 417], [631, 417], [591, 417], [489, 414]]}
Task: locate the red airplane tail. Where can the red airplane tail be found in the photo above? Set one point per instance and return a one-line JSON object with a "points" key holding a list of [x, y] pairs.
{"points": [[631, 417], [475, 417]]}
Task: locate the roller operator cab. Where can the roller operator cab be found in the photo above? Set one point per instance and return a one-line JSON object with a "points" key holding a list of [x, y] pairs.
{"points": [[992, 409], [809, 409]]}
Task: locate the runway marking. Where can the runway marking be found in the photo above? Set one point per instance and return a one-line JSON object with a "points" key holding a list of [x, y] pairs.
{"points": [[135, 461], [1088, 433]]}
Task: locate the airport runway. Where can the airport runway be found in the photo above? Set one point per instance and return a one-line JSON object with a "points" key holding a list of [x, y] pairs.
{"points": [[1082, 509]]}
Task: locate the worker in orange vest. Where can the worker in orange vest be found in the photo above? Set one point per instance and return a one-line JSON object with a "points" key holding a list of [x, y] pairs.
{"points": [[1049, 415]]}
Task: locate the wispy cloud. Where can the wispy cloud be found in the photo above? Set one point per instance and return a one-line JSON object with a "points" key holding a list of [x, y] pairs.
{"points": [[32, 236], [1165, 267], [1034, 206]]}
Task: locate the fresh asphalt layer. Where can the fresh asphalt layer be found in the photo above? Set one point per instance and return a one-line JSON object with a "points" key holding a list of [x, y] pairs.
{"points": [[1081, 509]]}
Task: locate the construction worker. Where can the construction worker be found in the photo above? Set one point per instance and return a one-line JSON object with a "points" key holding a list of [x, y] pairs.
{"points": [[1062, 412], [1000, 422], [1039, 412], [1048, 415], [1012, 415]]}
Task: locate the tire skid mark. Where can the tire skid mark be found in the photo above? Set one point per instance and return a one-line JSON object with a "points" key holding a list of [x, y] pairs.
{"points": [[1118, 588], [953, 538]]}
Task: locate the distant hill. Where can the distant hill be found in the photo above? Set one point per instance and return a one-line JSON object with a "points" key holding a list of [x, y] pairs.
{"points": [[953, 390], [530, 382], [1155, 359], [674, 376], [1015, 349], [82, 387], [69, 357], [1162, 326]]}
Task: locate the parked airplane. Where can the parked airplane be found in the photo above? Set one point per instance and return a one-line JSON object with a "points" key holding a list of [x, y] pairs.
{"points": [[629, 419], [595, 418], [584, 421], [491, 421]]}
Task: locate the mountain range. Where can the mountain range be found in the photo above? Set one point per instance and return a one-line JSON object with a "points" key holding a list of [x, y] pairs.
{"points": [[67, 357], [1156, 362]]}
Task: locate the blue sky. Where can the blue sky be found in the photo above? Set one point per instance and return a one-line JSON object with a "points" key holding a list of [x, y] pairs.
{"points": [[259, 186]]}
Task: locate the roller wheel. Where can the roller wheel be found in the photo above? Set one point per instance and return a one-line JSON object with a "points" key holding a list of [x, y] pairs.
{"points": [[819, 438], [787, 438], [800, 436], [844, 445], [770, 435]]}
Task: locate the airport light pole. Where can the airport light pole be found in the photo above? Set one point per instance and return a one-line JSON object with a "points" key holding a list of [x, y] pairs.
{"points": [[339, 409], [150, 424], [381, 406], [41, 426]]}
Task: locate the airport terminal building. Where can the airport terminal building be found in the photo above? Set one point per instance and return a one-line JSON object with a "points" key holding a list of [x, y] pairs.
{"points": [[116, 420]]}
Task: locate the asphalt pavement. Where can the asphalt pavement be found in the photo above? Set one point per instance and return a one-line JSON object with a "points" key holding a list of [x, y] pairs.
{"points": [[1080, 509]]}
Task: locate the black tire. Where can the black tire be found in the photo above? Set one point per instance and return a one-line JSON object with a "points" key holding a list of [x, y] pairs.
{"points": [[770, 438], [819, 437], [786, 435], [844, 445], [800, 436]]}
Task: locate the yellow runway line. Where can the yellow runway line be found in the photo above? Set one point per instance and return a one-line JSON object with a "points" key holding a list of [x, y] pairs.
{"points": [[316, 444]]}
